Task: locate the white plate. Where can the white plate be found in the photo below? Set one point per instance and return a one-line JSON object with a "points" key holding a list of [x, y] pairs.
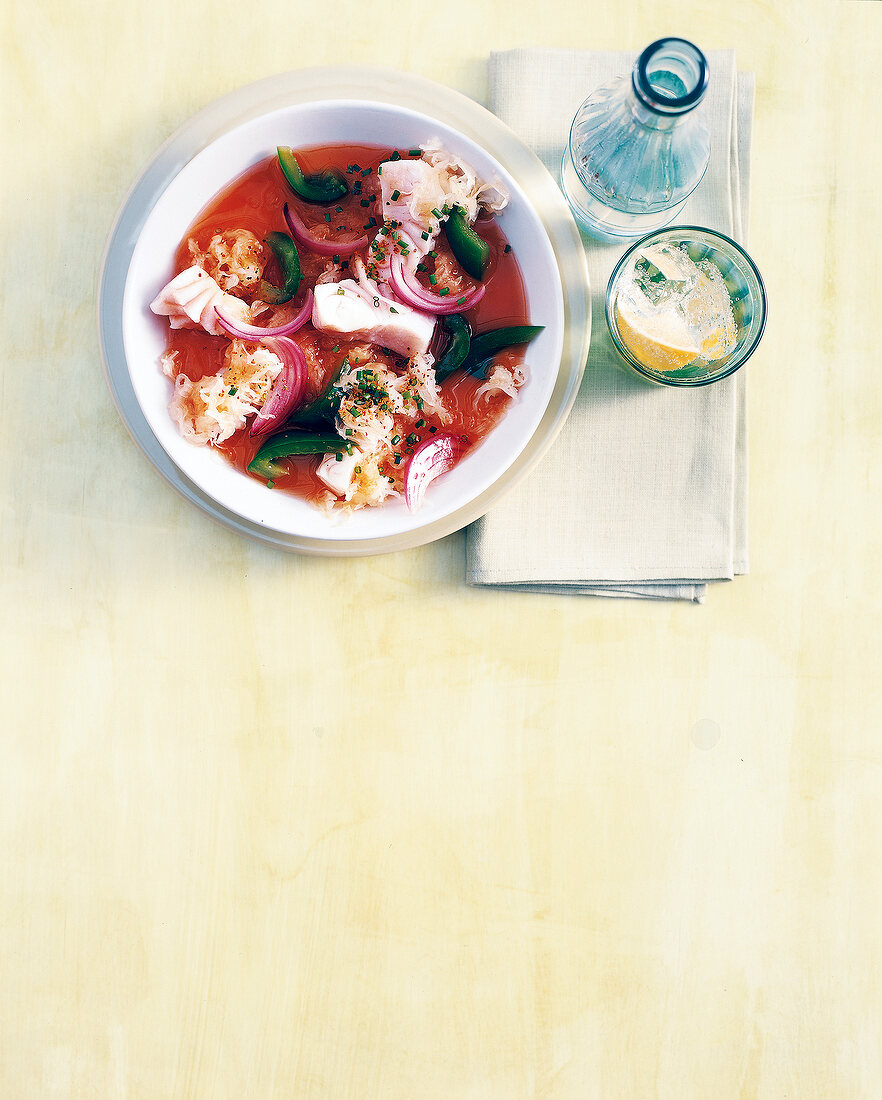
{"points": [[323, 106]]}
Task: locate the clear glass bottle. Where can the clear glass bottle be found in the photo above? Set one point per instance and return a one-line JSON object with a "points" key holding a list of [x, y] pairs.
{"points": [[637, 147]]}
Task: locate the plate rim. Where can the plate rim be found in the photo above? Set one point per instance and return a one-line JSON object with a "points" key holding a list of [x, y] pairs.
{"points": [[321, 84]]}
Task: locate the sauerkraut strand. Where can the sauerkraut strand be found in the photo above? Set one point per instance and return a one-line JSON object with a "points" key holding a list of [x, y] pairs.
{"points": [[212, 409]]}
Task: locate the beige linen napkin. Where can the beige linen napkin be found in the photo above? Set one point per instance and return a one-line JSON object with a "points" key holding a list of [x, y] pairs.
{"points": [[644, 493]]}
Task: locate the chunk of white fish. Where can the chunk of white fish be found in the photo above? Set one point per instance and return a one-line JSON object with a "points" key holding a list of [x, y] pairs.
{"points": [[350, 310], [190, 299], [417, 190], [338, 475]]}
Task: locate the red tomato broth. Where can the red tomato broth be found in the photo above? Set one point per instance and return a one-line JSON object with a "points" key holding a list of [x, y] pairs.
{"points": [[255, 201]]}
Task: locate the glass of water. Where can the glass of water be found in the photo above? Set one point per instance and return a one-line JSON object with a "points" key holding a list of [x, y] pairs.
{"points": [[686, 306]]}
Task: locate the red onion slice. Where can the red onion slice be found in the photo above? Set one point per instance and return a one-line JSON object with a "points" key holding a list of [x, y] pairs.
{"points": [[288, 389], [317, 244], [254, 332], [409, 289], [432, 458]]}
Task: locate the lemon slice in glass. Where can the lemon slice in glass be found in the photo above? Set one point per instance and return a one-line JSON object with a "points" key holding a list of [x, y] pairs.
{"points": [[660, 342]]}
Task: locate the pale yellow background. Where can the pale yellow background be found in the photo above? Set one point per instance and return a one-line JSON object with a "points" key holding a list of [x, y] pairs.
{"points": [[279, 827]]}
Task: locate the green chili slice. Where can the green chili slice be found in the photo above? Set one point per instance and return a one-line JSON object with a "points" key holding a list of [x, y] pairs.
{"points": [[459, 340], [470, 250], [326, 186], [485, 346], [325, 407], [287, 445], [285, 251]]}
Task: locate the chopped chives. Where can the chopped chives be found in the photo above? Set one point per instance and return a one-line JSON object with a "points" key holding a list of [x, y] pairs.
{"points": [[364, 202], [339, 456], [507, 248], [420, 423], [339, 209], [396, 194], [424, 235], [414, 152], [422, 267], [336, 347], [459, 301], [327, 217], [395, 155], [437, 214], [336, 259], [444, 291], [434, 255], [232, 391], [396, 439], [392, 309], [433, 279]]}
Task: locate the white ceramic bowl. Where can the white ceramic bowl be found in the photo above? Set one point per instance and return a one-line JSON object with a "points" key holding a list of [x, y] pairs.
{"points": [[208, 478]]}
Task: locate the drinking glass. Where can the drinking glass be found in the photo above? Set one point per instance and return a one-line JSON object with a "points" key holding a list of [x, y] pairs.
{"points": [[743, 283]]}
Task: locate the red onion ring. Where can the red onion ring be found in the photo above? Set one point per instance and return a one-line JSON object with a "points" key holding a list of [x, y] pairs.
{"points": [[254, 332], [318, 244], [288, 389], [409, 289], [432, 458]]}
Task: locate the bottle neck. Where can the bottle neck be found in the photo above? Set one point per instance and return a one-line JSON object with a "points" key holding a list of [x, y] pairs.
{"points": [[668, 81], [647, 117]]}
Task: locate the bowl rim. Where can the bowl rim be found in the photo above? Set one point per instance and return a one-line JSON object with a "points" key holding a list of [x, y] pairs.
{"points": [[656, 376], [380, 87]]}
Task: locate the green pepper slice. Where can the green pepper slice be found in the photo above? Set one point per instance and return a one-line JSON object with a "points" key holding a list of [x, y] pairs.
{"points": [[327, 186], [324, 408], [289, 444], [460, 338], [470, 250], [485, 346], [285, 251]]}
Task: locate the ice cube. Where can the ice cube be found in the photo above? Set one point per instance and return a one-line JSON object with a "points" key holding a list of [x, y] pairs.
{"points": [[665, 274]]}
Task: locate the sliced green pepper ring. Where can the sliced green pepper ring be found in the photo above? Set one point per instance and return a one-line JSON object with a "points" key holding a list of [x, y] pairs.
{"points": [[285, 251], [470, 250], [460, 338], [327, 186], [485, 346], [289, 444]]}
